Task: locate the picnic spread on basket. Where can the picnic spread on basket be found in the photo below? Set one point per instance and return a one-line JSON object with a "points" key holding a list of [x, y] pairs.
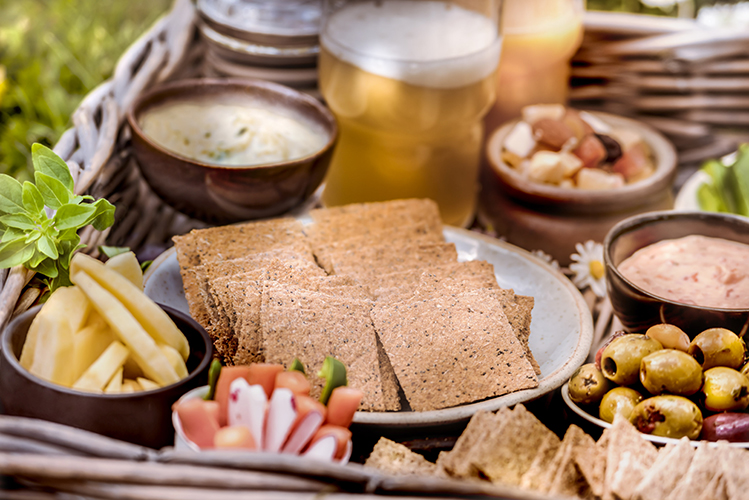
{"points": [[322, 290]]}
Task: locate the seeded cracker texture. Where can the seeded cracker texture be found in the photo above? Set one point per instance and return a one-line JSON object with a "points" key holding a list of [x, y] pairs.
{"points": [[311, 325], [452, 350], [394, 458]]}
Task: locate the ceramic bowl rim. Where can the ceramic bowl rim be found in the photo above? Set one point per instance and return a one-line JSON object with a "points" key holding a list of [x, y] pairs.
{"points": [[13, 362], [665, 167], [181, 90], [638, 221]]}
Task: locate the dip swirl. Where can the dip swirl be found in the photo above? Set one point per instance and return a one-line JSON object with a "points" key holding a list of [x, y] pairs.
{"points": [[696, 270]]}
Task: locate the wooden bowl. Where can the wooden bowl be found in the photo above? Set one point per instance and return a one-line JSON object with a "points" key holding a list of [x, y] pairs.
{"points": [[544, 217], [143, 418], [639, 309], [225, 194]]}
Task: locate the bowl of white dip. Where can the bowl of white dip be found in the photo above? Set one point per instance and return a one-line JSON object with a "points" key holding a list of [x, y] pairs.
{"points": [[690, 269], [232, 149]]}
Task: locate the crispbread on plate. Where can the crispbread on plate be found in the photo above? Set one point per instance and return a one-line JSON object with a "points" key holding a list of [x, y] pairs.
{"points": [[310, 325], [457, 462], [566, 477], [383, 258], [452, 350]]}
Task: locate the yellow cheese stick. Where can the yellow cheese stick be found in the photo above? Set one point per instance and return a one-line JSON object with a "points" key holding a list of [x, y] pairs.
{"points": [[90, 343], [103, 369], [174, 359], [65, 304], [147, 385], [54, 351], [115, 385], [153, 319], [129, 385], [143, 348], [126, 264]]}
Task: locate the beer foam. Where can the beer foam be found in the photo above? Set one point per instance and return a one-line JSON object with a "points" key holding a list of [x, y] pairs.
{"points": [[425, 43]]}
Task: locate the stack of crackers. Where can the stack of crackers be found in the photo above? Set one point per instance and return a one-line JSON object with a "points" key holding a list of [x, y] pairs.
{"points": [[512, 447], [374, 285]]}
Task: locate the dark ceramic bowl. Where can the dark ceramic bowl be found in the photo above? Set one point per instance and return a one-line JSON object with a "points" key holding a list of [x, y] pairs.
{"points": [[143, 418], [639, 309], [224, 194], [540, 216]]}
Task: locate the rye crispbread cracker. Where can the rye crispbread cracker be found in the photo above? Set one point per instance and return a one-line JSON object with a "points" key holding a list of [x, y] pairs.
{"points": [[567, 479], [200, 246], [592, 464], [666, 472], [704, 466], [531, 479], [624, 437], [400, 285], [630, 471], [453, 350], [507, 452], [394, 458], [312, 325], [717, 489], [383, 258], [457, 462], [734, 462], [339, 223], [400, 236]]}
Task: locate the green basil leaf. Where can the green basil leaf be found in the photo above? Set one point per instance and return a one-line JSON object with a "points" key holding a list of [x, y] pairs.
{"points": [[112, 251], [69, 235], [78, 199], [54, 193], [48, 163], [62, 279], [104, 216], [11, 234], [47, 247], [18, 221], [33, 236], [32, 198], [36, 259], [14, 253], [74, 216], [48, 268], [11, 195], [145, 265]]}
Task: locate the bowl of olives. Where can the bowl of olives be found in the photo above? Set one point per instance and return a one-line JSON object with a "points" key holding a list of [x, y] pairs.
{"points": [[667, 385]]}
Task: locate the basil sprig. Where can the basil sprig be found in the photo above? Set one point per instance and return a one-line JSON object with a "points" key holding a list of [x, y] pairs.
{"points": [[39, 223]]}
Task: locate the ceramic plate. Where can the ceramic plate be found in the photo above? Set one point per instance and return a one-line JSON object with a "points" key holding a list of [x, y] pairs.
{"points": [[605, 425], [561, 328]]}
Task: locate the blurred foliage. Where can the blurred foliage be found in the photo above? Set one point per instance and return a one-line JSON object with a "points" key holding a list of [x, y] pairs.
{"points": [[638, 7], [52, 52]]}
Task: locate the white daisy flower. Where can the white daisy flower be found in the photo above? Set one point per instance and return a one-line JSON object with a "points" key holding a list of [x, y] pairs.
{"points": [[588, 267], [546, 258]]}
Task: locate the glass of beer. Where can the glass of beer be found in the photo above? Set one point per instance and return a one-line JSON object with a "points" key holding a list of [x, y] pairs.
{"points": [[540, 38], [410, 82]]}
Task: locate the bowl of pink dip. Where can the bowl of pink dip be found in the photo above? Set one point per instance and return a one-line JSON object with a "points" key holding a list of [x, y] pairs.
{"points": [[690, 269]]}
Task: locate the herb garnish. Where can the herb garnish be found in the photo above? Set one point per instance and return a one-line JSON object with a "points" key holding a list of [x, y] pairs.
{"points": [[39, 223]]}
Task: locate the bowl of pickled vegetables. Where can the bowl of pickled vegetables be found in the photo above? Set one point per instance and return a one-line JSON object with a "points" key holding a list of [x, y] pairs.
{"points": [[667, 385]]}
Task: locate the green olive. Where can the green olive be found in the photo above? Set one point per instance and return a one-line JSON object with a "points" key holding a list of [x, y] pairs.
{"points": [[621, 359], [588, 385], [670, 336], [745, 369], [718, 347], [618, 401], [670, 371], [668, 416], [725, 389]]}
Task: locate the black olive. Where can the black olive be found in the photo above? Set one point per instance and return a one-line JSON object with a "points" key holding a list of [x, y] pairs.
{"points": [[613, 149]]}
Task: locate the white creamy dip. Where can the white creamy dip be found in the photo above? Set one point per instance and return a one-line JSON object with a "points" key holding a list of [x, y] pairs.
{"points": [[231, 135], [696, 270]]}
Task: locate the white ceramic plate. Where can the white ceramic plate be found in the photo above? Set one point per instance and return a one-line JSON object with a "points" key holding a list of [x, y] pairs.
{"points": [[605, 425], [561, 328]]}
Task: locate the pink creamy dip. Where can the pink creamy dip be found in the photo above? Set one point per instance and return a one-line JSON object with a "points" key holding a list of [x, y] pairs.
{"points": [[695, 270]]}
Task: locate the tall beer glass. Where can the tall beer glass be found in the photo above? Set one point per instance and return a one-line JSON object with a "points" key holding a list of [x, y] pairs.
{"points": [[409, 81]]}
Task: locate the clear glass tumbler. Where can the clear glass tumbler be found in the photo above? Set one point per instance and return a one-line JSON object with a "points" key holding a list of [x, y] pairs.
{"points": [[410, 82]]}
